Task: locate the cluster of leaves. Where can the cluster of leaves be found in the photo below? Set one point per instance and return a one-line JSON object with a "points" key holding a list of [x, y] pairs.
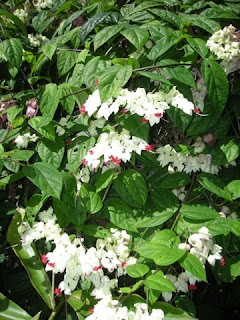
{"points": [[108, 45]]}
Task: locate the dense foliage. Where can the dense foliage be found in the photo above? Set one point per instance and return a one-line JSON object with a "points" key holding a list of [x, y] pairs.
{"points": [[119, 170]]}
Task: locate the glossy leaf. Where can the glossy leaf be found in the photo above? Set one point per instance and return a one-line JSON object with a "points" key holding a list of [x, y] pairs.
{"points": [[46, 131], [192, 264], [137, 270], [51, 152], [137, 36], [105, 34], [198, 212], [48, 103], [13, 51], [10, 310], [159, 282]]}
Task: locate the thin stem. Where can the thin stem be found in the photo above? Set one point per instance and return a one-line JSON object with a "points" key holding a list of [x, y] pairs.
{"points": [[165, 66], [78, 91], [53, 285], [56, 310]]}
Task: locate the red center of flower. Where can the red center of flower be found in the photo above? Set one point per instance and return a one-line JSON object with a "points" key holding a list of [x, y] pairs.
{"points": [[192, 287], [84, 162], [123, 264], [143, 120], [223, 262], [149, 147], [44, 259], [83, 110], [91, 310], [158, 115], [51, 264], [96, 81], [57, 291], [115, 160], [98, 268], [124, 111], [91, 152], [197, 111]]}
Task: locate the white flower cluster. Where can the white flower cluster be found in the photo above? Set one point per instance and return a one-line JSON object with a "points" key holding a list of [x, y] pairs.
{"points": [[114, 147], [42, 4], [231, 66], [187, 163], [180, 282], [150, 106], [78, 262], [23, 141], [22, 14], [37, 40], [113, 310], [201, 245], [180, 193], [225, 43]]}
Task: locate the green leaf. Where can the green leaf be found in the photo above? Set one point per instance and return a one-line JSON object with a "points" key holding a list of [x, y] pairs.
{"points": [[158, 282], [134, 125], [77, 152], [22, 155], [10, 310], [31, 262], [219, 13], [49, 49], [215, 185], [168, 256], [46, 177], [228, 151], [105, 34], [167, 38], [68, 208], [131, 187], [131, 219], [15, 19], [168, 16], [234, 188], [93, 203], [170, 312], [65, 61], [152, 249], [154, 76], [13, 52], [47, 131], [164, 199], [217, 84], [235, 266], [192, 264], [66, 96], [76, 300], [198, 212], [112, 79], [137, 36], [131, 289], [137, 270], [49, 100], [178, 73], [91, 23], [199, 46], [174, 180], [34, 205], [51, 152], [92, 67], [104, 180], [209, 25]]}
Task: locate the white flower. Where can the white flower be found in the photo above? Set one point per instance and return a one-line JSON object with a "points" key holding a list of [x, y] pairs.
{"points": [[184, 246]]}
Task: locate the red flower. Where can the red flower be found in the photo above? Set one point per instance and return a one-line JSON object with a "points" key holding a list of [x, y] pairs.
{"points": [[97, 268], [91, 152], [84, 162], [57, 292], [197, 111], [158, 115], [91, 310], [115, 160], [124, 111], [83, 110], [123, 264], [149, 147], [143, 120], [192, 287], [96, 81], [44, 259], [223, 262], [51, 264]]}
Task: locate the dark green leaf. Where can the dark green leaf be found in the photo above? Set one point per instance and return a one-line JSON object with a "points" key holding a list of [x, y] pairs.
{"points": [[137, 36], [105, 34]]}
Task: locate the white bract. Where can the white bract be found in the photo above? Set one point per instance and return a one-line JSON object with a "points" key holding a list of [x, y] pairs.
{"points": [[22, 141], [114, 147], [37, 40], [150, 106], [185, 162]]}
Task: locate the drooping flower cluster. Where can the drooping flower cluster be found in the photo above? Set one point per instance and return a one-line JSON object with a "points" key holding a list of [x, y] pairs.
{"points": [[187, 163], [201, 245], [114, 310], [76, 261], [22, 14], [225, 43], [42, 4], [23, 141], [150, 106], [114, 147], [181, 284], [37, 40], [200, 93]]}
